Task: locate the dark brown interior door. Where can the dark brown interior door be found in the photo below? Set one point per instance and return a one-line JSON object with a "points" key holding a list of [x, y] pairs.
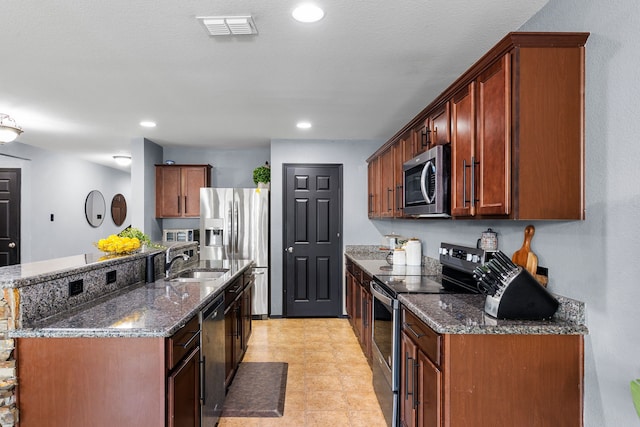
{"points": [[312, 239], [9, 217]]}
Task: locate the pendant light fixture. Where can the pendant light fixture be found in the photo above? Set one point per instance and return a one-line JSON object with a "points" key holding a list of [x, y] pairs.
{"points": [[122, 160], [9, 130]]}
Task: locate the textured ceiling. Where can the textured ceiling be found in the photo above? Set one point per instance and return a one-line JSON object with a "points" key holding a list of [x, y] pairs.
{"points": [[79, 75]]}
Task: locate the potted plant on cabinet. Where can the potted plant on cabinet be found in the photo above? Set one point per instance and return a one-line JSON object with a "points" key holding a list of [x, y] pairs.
{"points": [[262, 175]]}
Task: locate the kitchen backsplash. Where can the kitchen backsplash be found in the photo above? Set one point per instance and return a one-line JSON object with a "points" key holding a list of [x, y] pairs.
{"points": [[431, 265]]}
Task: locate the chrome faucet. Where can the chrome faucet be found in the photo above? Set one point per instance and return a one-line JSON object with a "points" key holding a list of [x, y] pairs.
{"points": [[168, 265]]}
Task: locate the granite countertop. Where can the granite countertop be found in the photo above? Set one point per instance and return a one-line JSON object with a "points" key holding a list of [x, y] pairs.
{"points": [[156, 309], [15, 276], [464, 313]]}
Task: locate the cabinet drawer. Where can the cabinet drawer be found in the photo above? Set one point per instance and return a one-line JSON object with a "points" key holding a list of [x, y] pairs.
{"points": [[425, 337], [183, 342]]}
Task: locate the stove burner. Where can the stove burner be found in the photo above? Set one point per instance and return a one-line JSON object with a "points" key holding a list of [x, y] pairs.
{"points": [[411, 284]]}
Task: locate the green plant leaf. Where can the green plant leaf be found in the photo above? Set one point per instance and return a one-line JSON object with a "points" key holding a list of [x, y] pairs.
{"points": [[132, 232], [635, 394], [262, 174]]}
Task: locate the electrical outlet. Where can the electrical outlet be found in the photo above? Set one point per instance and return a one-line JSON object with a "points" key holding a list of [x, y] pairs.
{"points": [[111, 276], [76, 287]]}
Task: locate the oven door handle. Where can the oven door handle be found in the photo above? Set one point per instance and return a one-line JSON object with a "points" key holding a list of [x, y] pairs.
{"points": [[385, 299]]}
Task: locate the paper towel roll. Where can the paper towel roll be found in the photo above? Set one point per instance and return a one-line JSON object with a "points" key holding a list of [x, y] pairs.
{"points": [[413, 248], [399, 257]]}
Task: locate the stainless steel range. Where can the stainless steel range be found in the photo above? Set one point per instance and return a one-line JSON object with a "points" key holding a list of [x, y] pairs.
{"points": [[458, 263]]}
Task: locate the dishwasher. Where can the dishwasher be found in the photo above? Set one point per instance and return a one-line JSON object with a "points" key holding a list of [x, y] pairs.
{"points": [[212, 361]]}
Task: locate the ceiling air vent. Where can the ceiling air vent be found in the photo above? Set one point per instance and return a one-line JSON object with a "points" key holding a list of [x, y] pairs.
{"points": [[229, 25]]}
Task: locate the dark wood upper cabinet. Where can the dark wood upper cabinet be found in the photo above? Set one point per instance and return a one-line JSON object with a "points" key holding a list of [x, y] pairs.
{"points": [[463, 141], [387, 184], [439, 126], [178, 190], [374, 188], [515, 121]]}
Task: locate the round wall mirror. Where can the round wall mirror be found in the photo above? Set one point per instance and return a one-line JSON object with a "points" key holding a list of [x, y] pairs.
{"points": [[94, 208], [118, 209]]}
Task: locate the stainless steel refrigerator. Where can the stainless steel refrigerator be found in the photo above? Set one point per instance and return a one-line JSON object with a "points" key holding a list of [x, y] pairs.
{"points": [[234, 224]]}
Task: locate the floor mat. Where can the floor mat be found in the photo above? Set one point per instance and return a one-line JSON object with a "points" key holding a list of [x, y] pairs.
{"points": [[257, 390]]}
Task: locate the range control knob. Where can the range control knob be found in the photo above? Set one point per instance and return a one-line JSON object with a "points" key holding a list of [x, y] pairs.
{"points": [[469, 257], [476, 258]]}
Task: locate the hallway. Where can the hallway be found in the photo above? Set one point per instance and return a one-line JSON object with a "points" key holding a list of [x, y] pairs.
{"points": [[328, 380]]}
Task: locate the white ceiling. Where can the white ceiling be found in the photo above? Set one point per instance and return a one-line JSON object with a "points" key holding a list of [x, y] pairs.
{"points": [[79, 75]]}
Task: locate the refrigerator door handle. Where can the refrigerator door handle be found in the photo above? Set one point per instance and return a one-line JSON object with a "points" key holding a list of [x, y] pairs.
{"points": [[236, 226], [228, 226]]}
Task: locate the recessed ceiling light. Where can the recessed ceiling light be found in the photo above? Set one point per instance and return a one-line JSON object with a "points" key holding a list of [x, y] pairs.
{"points": [[147, 124], [303, 125], [307, 12]]}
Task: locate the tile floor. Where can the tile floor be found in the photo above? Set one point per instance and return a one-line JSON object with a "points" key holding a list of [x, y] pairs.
{"points": [[328, 380]]}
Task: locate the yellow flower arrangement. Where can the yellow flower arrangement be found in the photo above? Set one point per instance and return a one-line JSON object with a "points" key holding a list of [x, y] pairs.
{"points": [[118, 245]]}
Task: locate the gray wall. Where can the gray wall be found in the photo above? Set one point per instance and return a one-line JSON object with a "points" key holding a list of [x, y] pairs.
{"points": [[231, 168], [357, 229], [596, 260], [58, 184], [145, 155]]}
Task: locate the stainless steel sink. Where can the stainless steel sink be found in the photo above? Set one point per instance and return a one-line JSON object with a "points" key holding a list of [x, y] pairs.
{"points": [[197, 275]]}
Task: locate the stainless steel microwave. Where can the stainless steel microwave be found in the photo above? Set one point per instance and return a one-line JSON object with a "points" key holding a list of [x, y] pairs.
{"points": [[179, 235], [427, 183]]}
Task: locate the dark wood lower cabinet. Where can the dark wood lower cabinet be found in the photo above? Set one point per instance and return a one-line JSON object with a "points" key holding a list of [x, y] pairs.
{"points": [[366, 339], [98, 382], [408, 378], [429, 386], [420, 387], [106, 382], [359, 306], [184, 392], [237, 321], [485, 380]]}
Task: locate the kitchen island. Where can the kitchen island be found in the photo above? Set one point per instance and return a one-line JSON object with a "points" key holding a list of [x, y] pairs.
{"points": [[127, 356], [155, 309]]}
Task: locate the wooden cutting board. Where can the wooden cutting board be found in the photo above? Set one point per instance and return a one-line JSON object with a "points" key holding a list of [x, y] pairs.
{"points": [[525, 256]]}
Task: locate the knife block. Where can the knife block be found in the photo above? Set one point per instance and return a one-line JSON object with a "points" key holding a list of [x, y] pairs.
{"points": [[521, 297]]}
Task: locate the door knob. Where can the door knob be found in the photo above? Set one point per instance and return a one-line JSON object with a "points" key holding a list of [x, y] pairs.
{"points": [[12, 245], [289, 249]]}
